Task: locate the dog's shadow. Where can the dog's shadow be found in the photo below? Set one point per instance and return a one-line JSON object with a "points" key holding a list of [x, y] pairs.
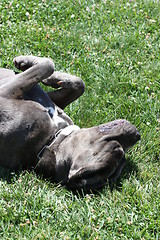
{"points": [[129, 168], [8, 176]]}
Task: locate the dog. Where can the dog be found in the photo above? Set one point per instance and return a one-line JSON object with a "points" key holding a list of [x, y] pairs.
{"points": [[36, 133]]}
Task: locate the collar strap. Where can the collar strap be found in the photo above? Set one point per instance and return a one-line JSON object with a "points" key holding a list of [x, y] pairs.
{"points": [[39, 155], [65, 132]]}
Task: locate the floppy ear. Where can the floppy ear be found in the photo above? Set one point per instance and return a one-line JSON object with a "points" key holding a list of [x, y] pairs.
{"points": [[90, 170], [81, 171], [102, 163], [46, 164]]}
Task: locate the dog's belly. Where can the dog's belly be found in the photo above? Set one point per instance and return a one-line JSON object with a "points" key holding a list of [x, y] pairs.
{"points": [[25, 127], [37, 94]]}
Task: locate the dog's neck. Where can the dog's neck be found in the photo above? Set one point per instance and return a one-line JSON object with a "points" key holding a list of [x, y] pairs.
{"points": [[47, 162], [61, 134]]}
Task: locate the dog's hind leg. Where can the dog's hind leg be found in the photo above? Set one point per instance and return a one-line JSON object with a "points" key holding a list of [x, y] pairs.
{"points": [[37, 70], [69, 88]]}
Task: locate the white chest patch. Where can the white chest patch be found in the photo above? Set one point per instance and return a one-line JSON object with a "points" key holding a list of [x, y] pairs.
{"points": [[69, 129], [58, 121]]}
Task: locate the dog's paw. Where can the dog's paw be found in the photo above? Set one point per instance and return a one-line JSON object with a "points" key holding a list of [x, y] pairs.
{"points": [[62, 80], [22, 62], [52, 81]]}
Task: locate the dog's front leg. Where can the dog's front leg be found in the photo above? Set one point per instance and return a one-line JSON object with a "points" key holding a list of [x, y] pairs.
{"points": [[69, 88], [37, 70]]}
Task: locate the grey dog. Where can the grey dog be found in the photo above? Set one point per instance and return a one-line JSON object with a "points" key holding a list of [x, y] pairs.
{"points": [[35, 131]]}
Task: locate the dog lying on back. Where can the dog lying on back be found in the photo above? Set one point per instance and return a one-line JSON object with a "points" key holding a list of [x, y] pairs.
{"points": [[35, 131]]}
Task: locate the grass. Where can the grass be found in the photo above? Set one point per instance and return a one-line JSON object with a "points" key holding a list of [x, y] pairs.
{"points": [[114, 46]]}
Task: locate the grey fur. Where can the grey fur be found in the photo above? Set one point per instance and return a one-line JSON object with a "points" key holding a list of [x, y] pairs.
{"points": [[30, 118]]}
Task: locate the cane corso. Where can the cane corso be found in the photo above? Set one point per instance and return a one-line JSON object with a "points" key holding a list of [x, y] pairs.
{"points": [[35, 131]]}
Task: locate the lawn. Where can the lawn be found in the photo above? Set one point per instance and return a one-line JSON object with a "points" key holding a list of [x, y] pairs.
{"points": [[114, 46]]}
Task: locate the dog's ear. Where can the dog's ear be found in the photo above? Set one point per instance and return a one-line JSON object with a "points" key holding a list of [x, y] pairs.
{"points": [[97, 166], [81, 171], [46, 164]]}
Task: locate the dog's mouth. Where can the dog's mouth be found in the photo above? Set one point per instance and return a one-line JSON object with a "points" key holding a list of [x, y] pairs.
{"points": [[87, 184], [94, 181]]}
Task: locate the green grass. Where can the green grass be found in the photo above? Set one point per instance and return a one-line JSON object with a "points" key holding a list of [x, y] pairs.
{"points": [[114, 46]]}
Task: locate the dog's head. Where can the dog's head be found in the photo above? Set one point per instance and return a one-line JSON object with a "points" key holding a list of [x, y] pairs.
{"points": [[88, 157]]}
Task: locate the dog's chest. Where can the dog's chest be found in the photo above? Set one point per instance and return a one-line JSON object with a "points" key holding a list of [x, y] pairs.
{"points": [[24, 128]]}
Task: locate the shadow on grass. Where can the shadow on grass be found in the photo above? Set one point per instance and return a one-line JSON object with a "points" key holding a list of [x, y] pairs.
{"points": [[130, 168], [8, 175]]}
